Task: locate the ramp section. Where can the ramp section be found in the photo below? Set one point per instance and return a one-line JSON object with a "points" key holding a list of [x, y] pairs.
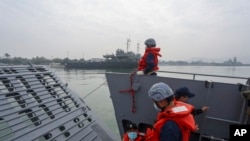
{"points": [[36, 105]]}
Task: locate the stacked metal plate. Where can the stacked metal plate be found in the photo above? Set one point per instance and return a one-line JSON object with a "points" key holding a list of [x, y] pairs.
{"points": [[36, 105]]}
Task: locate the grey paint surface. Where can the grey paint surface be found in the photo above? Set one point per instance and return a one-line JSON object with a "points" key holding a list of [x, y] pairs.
{"points": [[225, 101]]}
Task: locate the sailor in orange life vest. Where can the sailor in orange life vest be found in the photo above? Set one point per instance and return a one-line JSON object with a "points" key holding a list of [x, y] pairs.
{"points": [[148, 64], [132, 133], [183, 94], [174, 121]]}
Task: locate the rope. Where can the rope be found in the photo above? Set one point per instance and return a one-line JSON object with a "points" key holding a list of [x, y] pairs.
{"points": [[94, 89]]}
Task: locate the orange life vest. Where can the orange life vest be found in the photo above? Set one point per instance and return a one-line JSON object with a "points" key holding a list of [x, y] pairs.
{"points": [[143, 61], [181, 114], [139, 137]]}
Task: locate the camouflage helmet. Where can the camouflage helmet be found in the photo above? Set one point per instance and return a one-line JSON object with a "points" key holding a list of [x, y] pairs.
{"points": [[160, 91], [150, 42]]}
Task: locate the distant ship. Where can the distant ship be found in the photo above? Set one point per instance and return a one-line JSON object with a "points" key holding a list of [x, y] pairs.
{"points": [[121, 60]]}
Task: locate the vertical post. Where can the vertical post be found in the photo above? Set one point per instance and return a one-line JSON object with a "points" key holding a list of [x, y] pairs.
{"points": [[138, 47], [128, 43], [209, 85]]}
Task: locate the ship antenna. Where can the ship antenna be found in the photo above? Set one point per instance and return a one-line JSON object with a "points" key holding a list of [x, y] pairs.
{"points": [[128, 43], [138, 47]]}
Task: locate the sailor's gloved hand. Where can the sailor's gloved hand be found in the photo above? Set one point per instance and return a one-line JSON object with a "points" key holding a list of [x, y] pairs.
{"points": [[140, 73]]}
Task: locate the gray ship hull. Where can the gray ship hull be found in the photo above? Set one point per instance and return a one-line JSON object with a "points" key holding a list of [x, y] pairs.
{"points": [[102, 65], [227, 105]]}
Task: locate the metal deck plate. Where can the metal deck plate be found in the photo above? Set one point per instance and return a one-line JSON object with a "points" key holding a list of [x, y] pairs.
{"points": [[36, 105]]}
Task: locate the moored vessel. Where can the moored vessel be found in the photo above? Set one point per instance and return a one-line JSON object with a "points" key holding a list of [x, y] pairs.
{"points": [[120, 60]]}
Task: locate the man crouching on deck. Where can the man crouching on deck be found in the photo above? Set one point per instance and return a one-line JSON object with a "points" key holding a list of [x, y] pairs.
{"points": [[174, 121]]}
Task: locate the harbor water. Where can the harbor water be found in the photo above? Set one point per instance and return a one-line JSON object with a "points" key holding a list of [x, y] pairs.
{"points": [[92, 87]]}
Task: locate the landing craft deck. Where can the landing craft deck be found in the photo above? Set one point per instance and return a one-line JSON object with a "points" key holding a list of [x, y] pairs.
{"points": [[36, 105], [129, 94]]}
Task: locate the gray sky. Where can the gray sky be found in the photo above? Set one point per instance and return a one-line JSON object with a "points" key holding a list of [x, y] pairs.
{"points": [[184, 29]]}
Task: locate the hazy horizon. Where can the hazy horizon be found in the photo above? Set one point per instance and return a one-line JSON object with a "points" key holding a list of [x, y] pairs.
{"points": [[215, 30]]}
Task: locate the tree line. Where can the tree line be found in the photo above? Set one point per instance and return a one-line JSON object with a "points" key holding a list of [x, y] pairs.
{"points": [[34, 60], [7, 60]]}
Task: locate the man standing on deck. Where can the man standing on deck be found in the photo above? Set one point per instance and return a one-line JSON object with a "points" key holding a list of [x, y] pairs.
{"points": [[183, 94], [175, 121], [148, 64]]}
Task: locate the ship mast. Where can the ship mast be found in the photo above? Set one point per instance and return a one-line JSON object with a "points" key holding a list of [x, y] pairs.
{"points": [[128, 43], [138, 47]]}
